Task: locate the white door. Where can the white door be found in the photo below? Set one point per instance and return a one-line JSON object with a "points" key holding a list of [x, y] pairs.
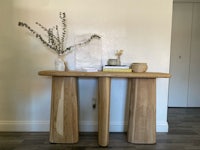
{"points": [[184, 87], [180, 54], [194, 75]]}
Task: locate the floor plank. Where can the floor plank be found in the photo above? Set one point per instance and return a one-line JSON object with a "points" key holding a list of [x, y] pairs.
{"points": [[184, 134]]}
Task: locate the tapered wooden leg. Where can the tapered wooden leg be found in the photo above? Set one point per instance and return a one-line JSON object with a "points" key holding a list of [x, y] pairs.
{"points": [[142, 111], [103, 111], [64, 110]]}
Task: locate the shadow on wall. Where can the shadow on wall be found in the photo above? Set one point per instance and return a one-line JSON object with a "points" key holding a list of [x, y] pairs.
{"points": [[21, 90]]}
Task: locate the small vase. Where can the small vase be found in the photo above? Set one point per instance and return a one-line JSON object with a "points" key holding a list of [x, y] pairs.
{"points": [[59, 63], [118, 62]]}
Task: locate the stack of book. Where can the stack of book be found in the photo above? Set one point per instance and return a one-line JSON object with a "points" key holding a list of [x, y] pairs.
{"points": [[122, 68]]}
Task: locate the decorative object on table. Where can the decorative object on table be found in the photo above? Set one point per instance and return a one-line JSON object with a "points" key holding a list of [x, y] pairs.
{"points": [[118, 54], [88, 56], [56, 40], [113, 62], [114, 65], [121, 68], [90, 69], [60, 64], [139, 67]]}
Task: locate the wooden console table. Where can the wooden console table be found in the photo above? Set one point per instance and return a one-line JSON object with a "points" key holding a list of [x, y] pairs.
{"points": [[142, 107]]}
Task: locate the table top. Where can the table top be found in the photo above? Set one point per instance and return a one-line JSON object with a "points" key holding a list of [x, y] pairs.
{"points": [[104, 74]]}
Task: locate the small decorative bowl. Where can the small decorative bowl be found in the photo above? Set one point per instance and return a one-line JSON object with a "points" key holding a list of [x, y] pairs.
{"points": [[139, 67], [112, 62]]}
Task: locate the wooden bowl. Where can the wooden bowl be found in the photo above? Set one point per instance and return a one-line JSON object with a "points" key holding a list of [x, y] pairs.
{"points": [[139, 67]]}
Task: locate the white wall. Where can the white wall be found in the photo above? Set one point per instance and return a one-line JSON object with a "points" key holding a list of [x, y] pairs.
{"points": [[141, 27]]}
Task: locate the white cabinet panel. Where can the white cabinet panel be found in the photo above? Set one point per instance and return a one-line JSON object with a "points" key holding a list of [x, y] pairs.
{"points": [[180, 54], [194, 76], [184, 88]]}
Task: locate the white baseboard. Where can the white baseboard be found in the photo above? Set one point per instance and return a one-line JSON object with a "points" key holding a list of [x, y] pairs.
{"points": [[84, 126], [26, 126], [162, 127]]}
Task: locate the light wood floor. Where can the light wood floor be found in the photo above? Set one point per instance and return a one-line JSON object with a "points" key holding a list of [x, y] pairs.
{"points": [[184, 134]]}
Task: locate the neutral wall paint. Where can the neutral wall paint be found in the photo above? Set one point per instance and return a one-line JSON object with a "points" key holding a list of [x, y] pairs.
{"points": [[141, 27]]}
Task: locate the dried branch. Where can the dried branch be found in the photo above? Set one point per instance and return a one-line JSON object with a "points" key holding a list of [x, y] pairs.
{"points": [[55, 42]]}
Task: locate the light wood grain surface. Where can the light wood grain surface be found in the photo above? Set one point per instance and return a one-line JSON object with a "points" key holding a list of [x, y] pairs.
{"points": [[142, 108], [103, 110], [142, 111], [64, 110], [105, 74]]}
